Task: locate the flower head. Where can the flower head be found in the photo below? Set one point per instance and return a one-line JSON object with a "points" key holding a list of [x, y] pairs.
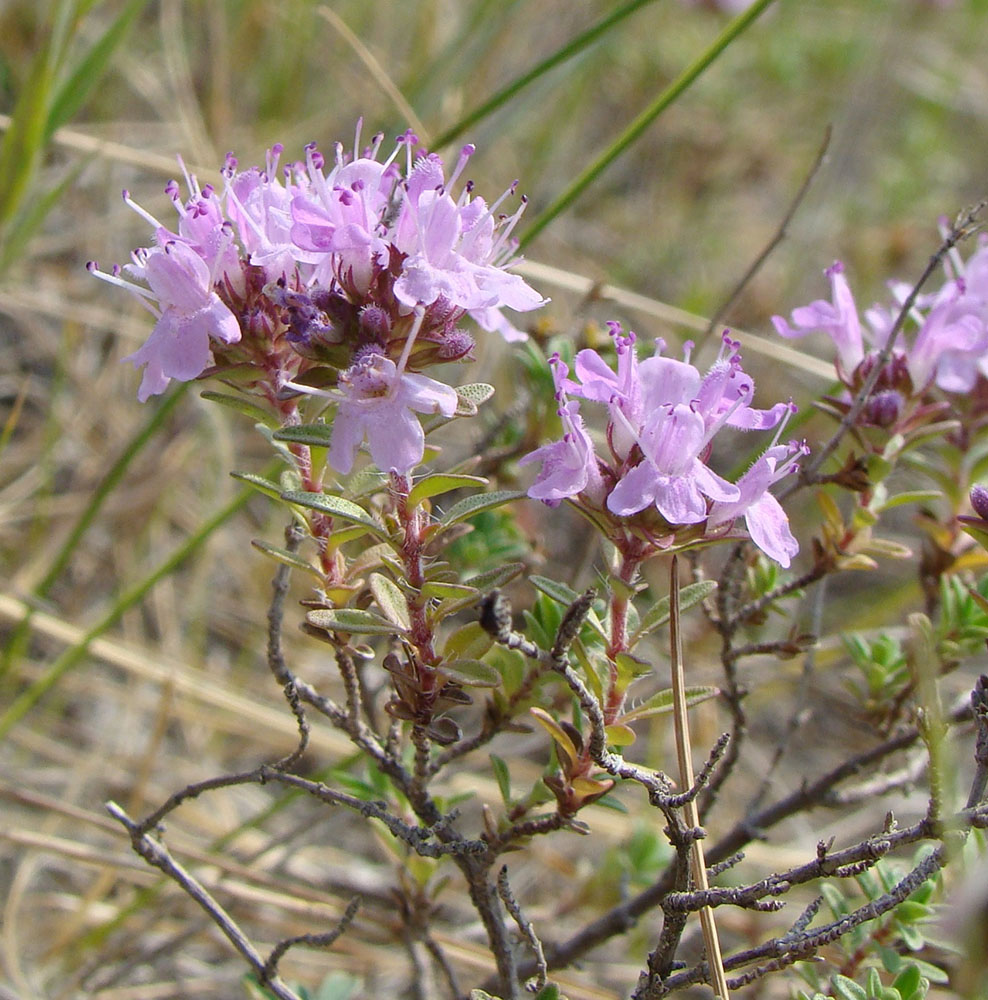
{"points": [[662, 417], [310, 264]]}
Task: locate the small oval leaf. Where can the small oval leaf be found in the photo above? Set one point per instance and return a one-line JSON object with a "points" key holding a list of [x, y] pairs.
{"points": [[439, 483], [470, 642], [335, 506], [390, 600], [661, 702], [467, 507], [351, 620], [619, 735], [471, 673], [286, 557], [314, 435]]}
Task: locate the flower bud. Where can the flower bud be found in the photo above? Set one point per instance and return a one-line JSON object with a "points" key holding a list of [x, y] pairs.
{"points": [[979, 501]]}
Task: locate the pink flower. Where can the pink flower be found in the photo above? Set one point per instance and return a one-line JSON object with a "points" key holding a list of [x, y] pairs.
{"points": [[672, 477], [949, 348], [838, 318], [376, 404], [189, 313], [663, 416], [763, 515], [455, 249], [260, 207], [569, 466], [337, 221]]}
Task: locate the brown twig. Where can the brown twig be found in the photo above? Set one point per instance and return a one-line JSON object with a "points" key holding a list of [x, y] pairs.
{"points": [[778, 236], [524, 925], [157, 855], [312, 940]]}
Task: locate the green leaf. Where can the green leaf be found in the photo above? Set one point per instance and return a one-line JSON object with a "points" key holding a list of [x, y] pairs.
{"points": [[908, 982], [314, 435], [438, 483], [874, 982], [335, 506], [911, 936], [848, 989], [351, 620], [286, 557], [503, 777], [931, 972], [549, 992], [564, 595], [466, 508], [470, 642], [659, 613], [442, 590], [910, 496], [390, 600], [471, 673], [661, 702], [910, 911], [559, 592], [496, 577], [344, 535], [259, 483], [619, 735], [242, 405]]}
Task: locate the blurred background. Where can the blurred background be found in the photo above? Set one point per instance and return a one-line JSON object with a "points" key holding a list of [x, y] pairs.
{"points": [[142, 666]]}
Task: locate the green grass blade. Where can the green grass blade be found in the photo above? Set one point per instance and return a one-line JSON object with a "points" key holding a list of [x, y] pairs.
{"points": [[71, 657], [21, 147], [75, 90], [26, 222], [107, 485], [570, 49], [643, 120]]}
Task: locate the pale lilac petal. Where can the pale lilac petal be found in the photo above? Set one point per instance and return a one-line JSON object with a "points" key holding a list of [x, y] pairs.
{"points": [[768, 526], [713, 486], [396, 440], [177, 348], [839, 319], [666, 381], [679, 500], [348, 433], [426, 395], [178, 276], [635, 491]]}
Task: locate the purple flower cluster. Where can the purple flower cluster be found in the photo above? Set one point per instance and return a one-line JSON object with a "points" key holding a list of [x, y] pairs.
{"points": [[946, 346], [363, 269], [662, 418]]}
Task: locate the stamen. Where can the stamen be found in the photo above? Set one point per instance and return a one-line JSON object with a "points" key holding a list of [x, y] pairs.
{"points": [[142, 212], [403, 360]]}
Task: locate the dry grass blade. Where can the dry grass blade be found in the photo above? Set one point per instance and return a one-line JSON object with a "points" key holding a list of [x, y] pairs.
{"points": [[709, 927]]}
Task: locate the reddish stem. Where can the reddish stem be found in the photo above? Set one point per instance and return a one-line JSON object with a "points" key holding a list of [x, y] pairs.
{"points": [[413, 525]]}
